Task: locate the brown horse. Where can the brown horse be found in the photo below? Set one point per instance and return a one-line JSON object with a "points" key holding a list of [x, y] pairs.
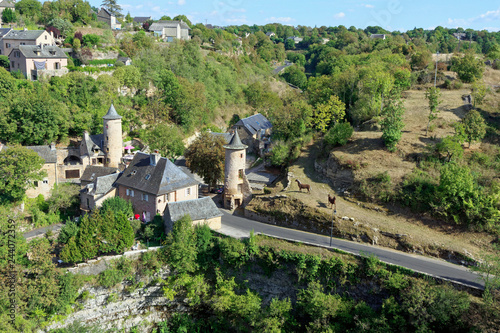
{"points": [[301, 186], [331, 200]]}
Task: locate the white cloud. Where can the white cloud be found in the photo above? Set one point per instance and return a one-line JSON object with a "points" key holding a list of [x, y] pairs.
{"points": [[339, 15], [237, 20], [181, 2], [368, 6], [489, 16], [279, 19]]}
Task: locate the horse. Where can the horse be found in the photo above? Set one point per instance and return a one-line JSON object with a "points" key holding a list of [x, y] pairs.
{"points": [[331, 200], [305, 186]]}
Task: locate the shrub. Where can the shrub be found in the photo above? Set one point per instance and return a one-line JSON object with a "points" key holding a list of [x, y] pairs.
{"points": [[110, 277], [339, 134], [233, 252]]}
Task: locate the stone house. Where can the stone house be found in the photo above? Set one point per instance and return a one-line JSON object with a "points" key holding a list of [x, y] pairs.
{"points": [[255, 132], [139, 20], [92, 172], [4, 5], [35, 61], [43, 187], [377, 36], [296, 39], [270, 34], [201, 211], [150, 182], [15, 38], [93, 194], [170, 30], [105, 16]]}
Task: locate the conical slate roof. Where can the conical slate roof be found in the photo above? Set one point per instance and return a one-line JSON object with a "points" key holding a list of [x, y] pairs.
{"points": [[235, 142], [112, 114]]}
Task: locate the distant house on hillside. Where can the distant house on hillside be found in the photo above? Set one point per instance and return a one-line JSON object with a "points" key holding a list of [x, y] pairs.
{"points": [[170, 30], [4, 5], [38, 60], [254, 132], [141, 19], [377, 36], [460, 35], [296, 39], [15, 38], [105, 16], [125, 60], [270, 34]]}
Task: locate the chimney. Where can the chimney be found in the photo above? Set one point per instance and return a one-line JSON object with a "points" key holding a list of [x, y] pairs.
{"points": [[52, 146], [154, 157]]}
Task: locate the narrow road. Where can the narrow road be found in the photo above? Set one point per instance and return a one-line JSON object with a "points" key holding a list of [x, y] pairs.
{"points": [[280, 68], [42, 231], [240, 227]]}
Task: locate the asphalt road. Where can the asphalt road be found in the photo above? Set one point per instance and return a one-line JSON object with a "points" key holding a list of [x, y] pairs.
{"points": [[240, 227], [41, 231]]}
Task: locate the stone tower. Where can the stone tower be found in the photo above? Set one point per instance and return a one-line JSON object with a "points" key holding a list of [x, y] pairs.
{"points": [[236, 186], [113, 140]]}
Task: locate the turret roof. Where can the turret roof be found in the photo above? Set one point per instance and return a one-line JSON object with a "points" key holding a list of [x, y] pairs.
{"points": [[112, 114], [235, 142]]}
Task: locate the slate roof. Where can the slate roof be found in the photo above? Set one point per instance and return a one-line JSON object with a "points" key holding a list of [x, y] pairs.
{"points": [[235, 143], [105, 11], [141, 19], [270, 33], [158, 26], [49, 155], [379, 36], [7, 4], [112, 114], [226, 136], [4, 31], [94, 140], [102, 185], [30, 52], [164, 177], [197, 209], [92, 172], [24, 34], [255, 123]]}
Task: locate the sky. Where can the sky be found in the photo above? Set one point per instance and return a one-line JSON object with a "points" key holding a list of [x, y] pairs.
{"points": [[389, 14]]}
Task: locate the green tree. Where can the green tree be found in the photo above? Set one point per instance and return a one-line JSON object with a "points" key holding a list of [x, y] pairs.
{"points": [[113, 7], [479, 91], [64, 26], [205, 156], [118, 206], [432, 94], [295, 76], [333, 111], [289, 44], [468, 67], [128, 76], [167, 138], [7, 83], [180, 250], [69, 230], [392, 122], [20, 168], [489, 270], [450, 147], [87, 241], [339, 134], [63, 197], [4, 62], [29, 8], [70, 252], [472, 128], [128, 18], [8, 16], [169, 85]]}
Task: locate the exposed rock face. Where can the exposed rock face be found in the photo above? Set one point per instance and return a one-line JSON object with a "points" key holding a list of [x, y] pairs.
{"points": [[342, 178], [119, 309]]}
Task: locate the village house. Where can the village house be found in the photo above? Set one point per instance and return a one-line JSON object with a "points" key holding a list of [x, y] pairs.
{"points": [[201, 211], [105, 16], [255, 132], [4, 5], [296, 39], [150, 182], [377, 36], [140, 20], [170, 30], [93, 194], [15, 38], [35, 61], [92, 172], [270, 34]]}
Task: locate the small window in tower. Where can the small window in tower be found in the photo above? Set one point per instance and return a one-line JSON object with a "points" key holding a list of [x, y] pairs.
{"points": [[240, 173], [107, 138], [241, 155], [107, 149], [106, 126]]}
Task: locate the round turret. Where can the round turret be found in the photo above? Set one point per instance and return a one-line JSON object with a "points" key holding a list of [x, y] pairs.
{"points": [[234, 172], [113, 140]]}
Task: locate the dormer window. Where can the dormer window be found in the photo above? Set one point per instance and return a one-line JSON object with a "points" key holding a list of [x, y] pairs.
{"points": [[45, 37], [52, 52], [133, 172], [148, 176]]}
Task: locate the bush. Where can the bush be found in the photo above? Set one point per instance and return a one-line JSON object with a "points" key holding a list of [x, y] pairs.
{"points": [[339, 134], [110, 277]]}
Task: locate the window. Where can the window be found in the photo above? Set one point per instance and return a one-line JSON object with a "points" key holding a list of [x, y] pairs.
{"points": [[7, 45], [23, 43], [72, 174], [188, 191], [57, 65], [36, 184], [241, 155], [45, 37], [45, 181], [130, 193], [148, 176], [88, 203], [144, 197], [240, 173]]}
